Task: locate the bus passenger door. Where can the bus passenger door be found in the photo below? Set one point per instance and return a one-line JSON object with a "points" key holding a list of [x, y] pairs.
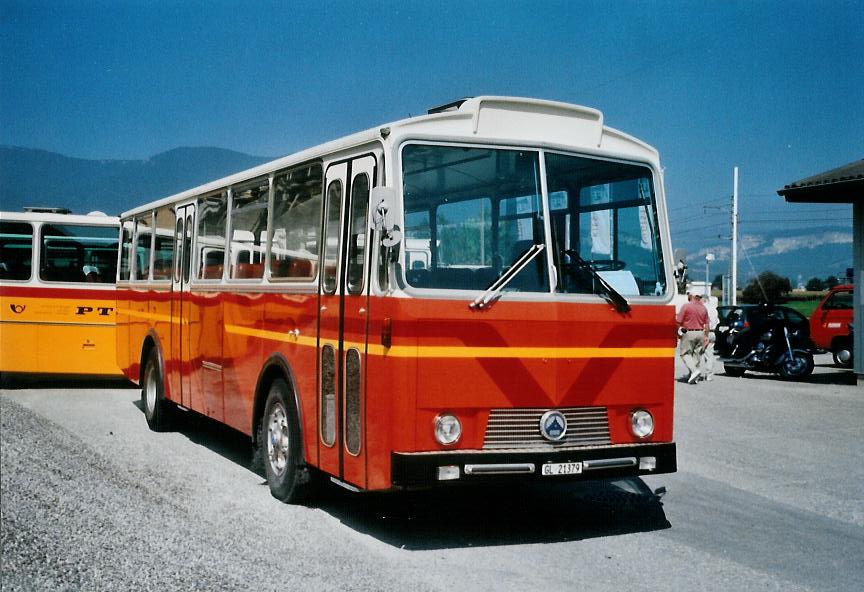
{"points": [[178, 363], [343, 313]]}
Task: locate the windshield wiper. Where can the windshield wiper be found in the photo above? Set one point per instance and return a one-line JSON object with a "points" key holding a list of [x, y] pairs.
{"points": [[611, 294], [494, 291]]}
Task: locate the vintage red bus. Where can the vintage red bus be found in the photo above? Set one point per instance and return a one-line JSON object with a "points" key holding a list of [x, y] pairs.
{"points": [[480, 294]]}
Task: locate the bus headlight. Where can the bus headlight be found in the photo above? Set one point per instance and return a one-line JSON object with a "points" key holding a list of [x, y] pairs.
{"points": [[641, 423], [448, 430]]}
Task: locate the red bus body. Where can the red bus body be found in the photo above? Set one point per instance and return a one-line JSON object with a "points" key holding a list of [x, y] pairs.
{"points": [[421, 353]]}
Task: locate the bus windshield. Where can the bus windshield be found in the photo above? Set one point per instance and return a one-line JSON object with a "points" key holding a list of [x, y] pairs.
{"points": [[471, 213]]}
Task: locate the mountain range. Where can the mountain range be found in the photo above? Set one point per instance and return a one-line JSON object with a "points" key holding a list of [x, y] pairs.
{"points": [[817, 251], [30, 177]]}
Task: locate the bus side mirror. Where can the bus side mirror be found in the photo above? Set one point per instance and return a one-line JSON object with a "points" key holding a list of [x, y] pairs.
{"points": [[383, 200]]}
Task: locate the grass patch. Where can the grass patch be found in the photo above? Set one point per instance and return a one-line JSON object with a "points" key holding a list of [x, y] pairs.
{"points": [[805, 307]]}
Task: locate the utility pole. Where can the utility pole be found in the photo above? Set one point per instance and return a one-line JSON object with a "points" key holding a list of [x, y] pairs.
{"points": [[709, 257], [734, 294]]}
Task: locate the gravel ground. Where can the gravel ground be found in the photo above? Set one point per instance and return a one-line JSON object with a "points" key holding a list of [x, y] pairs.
{"points": [[74, 520]]}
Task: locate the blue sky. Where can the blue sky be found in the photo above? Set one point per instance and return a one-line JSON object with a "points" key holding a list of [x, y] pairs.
{"points": [[776, 88]]}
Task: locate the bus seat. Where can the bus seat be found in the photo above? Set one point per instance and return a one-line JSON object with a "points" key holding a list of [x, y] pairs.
{"points": [[291, 267], [484, 277], [418, 277], [212, 272], [248, 271], [456, 278], [529, 279], [300, 268]]}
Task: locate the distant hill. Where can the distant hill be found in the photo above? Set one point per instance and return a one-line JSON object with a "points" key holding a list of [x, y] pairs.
{"points": [[31, 177]]}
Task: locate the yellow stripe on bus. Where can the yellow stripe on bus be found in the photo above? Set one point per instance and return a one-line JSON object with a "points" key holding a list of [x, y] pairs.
{"points": [[150, 316], [429, 351]]}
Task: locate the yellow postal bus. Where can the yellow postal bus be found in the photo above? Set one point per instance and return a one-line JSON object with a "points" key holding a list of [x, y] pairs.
{"points": [[57, 276]]}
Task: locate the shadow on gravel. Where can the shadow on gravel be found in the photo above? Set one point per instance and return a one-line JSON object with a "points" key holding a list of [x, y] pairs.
{"points": [[463, 516], [836, 376], [203, 431], [19, 381], [483, 516]]}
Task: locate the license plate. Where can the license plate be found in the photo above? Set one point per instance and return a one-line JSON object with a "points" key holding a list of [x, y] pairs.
{"points": [[555, 469]]}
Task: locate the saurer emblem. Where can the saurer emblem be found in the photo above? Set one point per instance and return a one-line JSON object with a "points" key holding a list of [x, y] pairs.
{"points": [[553, 425]]}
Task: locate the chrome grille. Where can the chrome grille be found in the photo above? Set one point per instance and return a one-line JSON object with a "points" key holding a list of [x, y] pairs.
{"points": [[520, 428]]}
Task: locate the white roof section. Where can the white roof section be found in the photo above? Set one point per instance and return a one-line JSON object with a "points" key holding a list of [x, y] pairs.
{"points": [[485, 119], [93, 219]]}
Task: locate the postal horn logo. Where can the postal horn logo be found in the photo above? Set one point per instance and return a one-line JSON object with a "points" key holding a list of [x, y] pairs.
{"points": [[553, 425], [17, 308]]}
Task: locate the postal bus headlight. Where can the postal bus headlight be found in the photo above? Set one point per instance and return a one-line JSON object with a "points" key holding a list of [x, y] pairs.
{"points": [[641, 423], [448, 429]]}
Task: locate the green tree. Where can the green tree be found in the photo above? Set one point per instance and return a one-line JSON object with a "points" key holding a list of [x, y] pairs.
{"points": [[717, 284], [768, 287], [814, 284], [831, 281]]}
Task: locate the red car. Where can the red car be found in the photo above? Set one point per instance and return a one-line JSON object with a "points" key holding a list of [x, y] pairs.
{"points": [[829, 324]]}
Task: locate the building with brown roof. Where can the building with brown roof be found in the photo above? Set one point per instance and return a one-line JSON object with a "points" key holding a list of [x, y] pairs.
{"points": [[844, 184]]}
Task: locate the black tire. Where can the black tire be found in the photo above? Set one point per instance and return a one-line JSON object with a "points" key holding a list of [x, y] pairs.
{"points": [[801, 367], [736, 371], [280, 446], [158, 411]]}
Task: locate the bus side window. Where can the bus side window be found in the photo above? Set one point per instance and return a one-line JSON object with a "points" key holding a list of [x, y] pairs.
{"points": [[212, 214], [126, 250], [357, 233], [248, 226], [75, 253], [331, 236], [16, 251], [144, 243], [163, 244], [297, 203]]}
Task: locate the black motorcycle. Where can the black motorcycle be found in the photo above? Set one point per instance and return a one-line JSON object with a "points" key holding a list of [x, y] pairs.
{"points": [[774, 347]]}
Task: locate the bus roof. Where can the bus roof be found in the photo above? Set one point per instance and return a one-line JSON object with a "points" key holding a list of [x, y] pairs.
{"points": [[93, 218], [513, 120]]}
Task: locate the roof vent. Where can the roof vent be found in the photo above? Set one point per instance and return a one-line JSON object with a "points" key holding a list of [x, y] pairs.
{"points": [[454, 106], [43, 210]]}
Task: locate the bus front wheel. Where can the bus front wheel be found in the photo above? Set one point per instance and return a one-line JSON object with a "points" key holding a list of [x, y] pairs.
{"points": [[279, 445]]}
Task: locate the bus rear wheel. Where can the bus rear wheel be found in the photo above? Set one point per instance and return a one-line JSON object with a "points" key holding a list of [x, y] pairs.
{"points": [[157, 409], [280, 446]]}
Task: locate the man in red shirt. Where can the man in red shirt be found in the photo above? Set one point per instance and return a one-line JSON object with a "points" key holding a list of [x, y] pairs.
{"points": [[693, 320]]}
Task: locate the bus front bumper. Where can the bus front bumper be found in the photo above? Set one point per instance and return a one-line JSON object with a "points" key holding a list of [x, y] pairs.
{"points": [[426, 469]]}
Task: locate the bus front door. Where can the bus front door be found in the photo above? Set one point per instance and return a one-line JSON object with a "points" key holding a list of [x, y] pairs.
{"points": [[179, 363], [343, 324]]}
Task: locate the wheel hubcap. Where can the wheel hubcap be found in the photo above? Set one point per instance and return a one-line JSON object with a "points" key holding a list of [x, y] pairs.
{"points": [[796, 365], [150, 391], [277, 439]]}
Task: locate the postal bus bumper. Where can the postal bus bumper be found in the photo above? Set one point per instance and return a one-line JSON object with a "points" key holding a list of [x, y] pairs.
{"points": [[426, 469]]}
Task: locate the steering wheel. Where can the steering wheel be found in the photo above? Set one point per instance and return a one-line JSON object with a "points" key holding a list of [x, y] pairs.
{"points": [[607, 264], [599, 264]]}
